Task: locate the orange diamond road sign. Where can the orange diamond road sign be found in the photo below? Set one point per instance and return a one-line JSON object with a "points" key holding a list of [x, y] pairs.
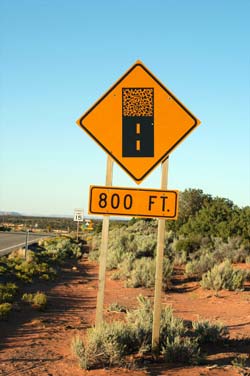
{"points": [[132, 202], [138, 122]]}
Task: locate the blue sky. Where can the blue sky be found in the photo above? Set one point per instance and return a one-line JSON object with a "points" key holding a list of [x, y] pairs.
{"points": [[59, 57]]}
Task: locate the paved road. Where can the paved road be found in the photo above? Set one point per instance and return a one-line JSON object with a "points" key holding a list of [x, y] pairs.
{"points": [[10, 241]]}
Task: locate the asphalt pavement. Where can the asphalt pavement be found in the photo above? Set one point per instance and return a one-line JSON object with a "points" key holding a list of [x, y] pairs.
{"points": [[10, 241]]}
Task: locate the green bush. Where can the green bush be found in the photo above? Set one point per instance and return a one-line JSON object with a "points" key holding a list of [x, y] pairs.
{"points": [[142, 273], [116, 307], [199, 266], [181, 350], [27, 298], [187, 245], [37, 300], [223, 276], [233, 249], [40, 301], [7, 292], [180, 258], [105, 346], [59, 249], [207, 332], [42, 264], [108, 344], [78, 348], [5, 309]]}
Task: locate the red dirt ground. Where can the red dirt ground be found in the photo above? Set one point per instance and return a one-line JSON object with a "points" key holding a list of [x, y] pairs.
{"points": [[38, 343]]}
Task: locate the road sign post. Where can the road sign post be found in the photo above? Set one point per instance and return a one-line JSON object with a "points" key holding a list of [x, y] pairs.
{"points": [[78, 217], [26, 244], [159, 266], [103, 252]]}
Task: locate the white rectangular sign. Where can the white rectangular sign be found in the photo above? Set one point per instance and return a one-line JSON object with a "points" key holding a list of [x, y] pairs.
{"points": [[78, 215]]}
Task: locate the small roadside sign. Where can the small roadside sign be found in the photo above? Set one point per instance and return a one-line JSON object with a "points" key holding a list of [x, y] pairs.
{"points": [[78, 215], [150, 203]]}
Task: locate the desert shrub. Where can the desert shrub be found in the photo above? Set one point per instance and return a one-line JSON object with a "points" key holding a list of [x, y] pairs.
{"points": [[188, 245], [27, 298], [78, 348], [180, 258], [114, 257], [108, 344], [234, 249], [201, 265], [44, 263], [143, 227], [240, 361], [223, 276], [207, 332], [40, 300], [141, 320], [116, 307], [59, 249], [105, 345], [146, 245], [181, 350], [171, 326], [142, 273], [7, 292], [37, 300], [5, 309]]}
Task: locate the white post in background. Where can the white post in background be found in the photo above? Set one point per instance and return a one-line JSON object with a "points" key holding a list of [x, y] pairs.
{"points": [[103, 252], [159, 265], [26, 244], [77, 230]]}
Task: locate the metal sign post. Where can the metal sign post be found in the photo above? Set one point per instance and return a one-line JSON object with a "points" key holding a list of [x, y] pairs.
{"points": [[103, 252], [159, 266], [26, 244], [78, 217]]}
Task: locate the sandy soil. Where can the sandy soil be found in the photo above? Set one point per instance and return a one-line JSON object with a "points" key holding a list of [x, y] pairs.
{"points": [[38, 343]]}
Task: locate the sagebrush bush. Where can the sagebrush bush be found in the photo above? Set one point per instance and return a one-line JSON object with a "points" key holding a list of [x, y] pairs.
{"points": [[108, 344], [5, 309], [105, 346], [78, 348], [199, 266], [27, 298], [38, 300], [42, 264], [181, 350], [180, 258], [223, 276], [116, 307], [142, 273], [59, 249], [233, 249], [209, 332], [7, 292]]}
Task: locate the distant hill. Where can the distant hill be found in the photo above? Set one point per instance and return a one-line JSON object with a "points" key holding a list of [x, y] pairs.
{"points": [[10, 213]]}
